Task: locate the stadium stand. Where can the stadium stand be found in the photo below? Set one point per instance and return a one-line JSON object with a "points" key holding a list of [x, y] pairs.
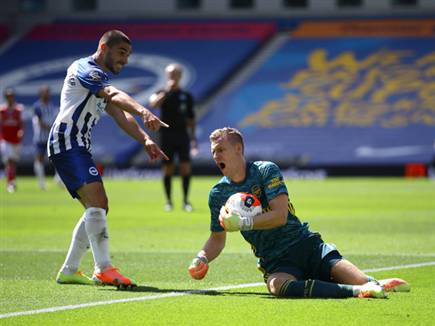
{"points": [[348, 94], [209, 51], [339, 93]]}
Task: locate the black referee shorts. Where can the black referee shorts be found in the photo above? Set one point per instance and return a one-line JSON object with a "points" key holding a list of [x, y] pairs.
{"points": [[175, 144]]}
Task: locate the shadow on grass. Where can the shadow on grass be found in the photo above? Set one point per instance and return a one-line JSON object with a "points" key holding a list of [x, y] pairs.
{"points": [[247, 294], [262, 295], [152, 289]]}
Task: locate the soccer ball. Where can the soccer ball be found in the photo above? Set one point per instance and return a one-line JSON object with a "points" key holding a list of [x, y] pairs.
{"points": [[243, 203]]}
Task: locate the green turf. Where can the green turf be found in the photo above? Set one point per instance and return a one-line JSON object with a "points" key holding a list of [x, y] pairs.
{"points": [[374, 222]]}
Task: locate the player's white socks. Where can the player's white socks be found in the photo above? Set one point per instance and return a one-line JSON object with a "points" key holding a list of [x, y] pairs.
{"points": [[77, 249], [38, 168], [356, 290], [96, 228]]}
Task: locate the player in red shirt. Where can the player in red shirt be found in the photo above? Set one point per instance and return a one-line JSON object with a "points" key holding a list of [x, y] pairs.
{"points": [[11, 135]]}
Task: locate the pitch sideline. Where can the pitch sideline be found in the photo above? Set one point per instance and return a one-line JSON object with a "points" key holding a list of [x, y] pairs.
{"points": [[179, 294]]}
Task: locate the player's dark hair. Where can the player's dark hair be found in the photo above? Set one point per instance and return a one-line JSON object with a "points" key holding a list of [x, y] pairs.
{"points": [[233, 135], [113, 37]]}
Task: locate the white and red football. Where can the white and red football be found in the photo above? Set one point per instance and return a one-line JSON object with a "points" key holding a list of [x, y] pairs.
{"points": [[244, 204]]}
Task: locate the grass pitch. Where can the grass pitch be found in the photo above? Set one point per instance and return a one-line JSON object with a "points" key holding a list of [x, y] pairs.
{"points": [[376, 223]]}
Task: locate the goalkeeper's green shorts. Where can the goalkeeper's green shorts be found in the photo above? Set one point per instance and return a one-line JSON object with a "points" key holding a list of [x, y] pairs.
{"points": [[311, 258]]}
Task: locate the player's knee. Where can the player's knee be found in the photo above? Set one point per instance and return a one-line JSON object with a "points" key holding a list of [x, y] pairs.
{"points": [[93, 195], [103, 203], [274, 285]]}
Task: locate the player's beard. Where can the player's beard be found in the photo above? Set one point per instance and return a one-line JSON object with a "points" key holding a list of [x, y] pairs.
{"points": [[110, 64]]}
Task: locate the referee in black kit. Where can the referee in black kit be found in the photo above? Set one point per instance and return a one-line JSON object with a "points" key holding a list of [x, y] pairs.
{"points": [[176, 107]]}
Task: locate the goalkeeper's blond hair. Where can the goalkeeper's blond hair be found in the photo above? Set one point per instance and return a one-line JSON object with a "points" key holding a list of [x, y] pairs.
{"points": [[232, 134]]}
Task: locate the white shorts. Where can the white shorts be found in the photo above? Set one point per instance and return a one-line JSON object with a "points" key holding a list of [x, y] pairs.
{"points": [[9, 151]]}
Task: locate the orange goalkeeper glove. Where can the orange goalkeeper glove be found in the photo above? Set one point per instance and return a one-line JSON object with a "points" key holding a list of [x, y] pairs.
{"points": [[199, 267]]}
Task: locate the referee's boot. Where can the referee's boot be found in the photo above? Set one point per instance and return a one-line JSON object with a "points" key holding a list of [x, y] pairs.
{"points": [[187, 207], [168, 206]]}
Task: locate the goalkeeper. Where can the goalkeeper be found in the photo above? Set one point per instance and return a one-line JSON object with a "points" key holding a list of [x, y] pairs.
{"points": [[295, 261]]}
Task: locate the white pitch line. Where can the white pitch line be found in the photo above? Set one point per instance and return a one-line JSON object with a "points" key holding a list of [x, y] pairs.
{"points": [[148, 297], [180, 294], [390, 268]]}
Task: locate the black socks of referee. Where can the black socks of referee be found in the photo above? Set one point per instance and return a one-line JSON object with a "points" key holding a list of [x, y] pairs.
{"points": [[167, 184], [186, 183], [315, 289]]}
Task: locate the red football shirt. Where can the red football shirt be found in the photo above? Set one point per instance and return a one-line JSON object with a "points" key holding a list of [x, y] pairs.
{"points": [[11, 123]]}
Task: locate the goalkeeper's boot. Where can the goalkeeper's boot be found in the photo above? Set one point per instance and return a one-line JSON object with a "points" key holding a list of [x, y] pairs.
{"points": [[395, 285], [75, 278], [372, 290], [111, 276]]}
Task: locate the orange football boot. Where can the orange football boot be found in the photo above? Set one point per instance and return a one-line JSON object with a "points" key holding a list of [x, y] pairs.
{"points": [[395, 285], [111, 276]]}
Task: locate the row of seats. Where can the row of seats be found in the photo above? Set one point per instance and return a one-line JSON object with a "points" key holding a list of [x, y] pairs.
{"points": [[332, 93]]}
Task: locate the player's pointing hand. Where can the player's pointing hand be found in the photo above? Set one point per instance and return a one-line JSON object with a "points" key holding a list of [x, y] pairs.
{"points": [[154, 151], [152, 122]]}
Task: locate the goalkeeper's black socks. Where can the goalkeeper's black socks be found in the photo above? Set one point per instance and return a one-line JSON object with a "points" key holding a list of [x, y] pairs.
{"points": [[315, 289]]}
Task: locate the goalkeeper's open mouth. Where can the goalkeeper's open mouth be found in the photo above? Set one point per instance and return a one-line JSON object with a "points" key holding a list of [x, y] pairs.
{"points": [[221, 165]]}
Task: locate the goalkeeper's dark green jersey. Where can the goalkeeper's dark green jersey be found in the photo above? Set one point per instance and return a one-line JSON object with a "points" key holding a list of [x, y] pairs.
{"points": [[264, 180]]}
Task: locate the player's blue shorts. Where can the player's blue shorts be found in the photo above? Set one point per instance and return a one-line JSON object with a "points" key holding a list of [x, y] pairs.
{"points": [[309, 259], [41, 148], [76, 168]]}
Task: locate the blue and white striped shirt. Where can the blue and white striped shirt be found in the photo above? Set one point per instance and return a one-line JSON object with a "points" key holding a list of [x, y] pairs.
{"points": [[80, 108]]}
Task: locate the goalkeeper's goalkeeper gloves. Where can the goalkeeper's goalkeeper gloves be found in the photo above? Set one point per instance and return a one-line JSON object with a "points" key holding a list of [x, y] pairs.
{"points": [[232, 221], [199, 267]]}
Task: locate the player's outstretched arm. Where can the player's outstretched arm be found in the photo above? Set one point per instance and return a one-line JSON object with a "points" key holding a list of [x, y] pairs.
{"points": [[125, 102], [127, 123], [156, 99], [212, 248]]}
